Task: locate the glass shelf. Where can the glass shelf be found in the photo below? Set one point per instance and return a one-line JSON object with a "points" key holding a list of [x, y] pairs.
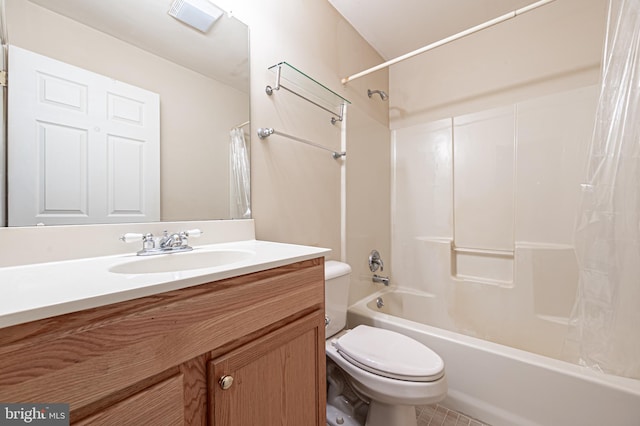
{"points": [[295, 81]]}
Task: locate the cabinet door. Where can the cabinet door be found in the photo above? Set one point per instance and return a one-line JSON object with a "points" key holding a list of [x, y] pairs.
{"points": [[161, 404], [278, 379]]}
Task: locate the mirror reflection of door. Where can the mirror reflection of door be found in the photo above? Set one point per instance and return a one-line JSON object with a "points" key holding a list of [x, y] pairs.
{"points": [[83, 148]]}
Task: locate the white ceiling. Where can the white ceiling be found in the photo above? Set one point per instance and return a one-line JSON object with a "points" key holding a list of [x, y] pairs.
{"points": [[396, 27]]}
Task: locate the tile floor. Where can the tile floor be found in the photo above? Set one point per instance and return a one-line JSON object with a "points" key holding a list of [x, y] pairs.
{"points": [[437, 415]]}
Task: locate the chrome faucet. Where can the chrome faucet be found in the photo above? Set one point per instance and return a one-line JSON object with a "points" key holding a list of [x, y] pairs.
{"points": [[168, 243], [173, 241], [375, 261], [378, 279], [148, 242]]}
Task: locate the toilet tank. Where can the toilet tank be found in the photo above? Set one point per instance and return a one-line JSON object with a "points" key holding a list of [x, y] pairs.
{"points": [[337, 277]]}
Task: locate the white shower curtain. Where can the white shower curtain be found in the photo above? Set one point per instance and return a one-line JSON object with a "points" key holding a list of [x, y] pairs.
{"points": [[606, 317], [240, 182]]}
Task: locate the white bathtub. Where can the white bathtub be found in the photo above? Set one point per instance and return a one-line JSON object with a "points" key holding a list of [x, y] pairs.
{"points": [[500, 385]]}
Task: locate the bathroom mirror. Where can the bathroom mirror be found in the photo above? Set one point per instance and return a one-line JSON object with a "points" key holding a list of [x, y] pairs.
{"points": [[201, 79]]}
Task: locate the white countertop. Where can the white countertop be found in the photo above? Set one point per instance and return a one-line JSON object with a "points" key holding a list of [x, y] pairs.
{"points": [[42, 290]]}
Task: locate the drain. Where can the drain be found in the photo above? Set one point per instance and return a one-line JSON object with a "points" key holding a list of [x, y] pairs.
{"points": [[379, 302]]}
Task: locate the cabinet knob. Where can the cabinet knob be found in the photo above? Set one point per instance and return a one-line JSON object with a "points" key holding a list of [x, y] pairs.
{"points": [[226, 382]]}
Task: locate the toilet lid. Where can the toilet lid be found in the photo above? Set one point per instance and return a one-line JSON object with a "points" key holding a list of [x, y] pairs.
{"points": [[390, 354]]}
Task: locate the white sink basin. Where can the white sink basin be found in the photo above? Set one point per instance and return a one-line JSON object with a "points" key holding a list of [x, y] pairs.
{"points": [[181, 261]]}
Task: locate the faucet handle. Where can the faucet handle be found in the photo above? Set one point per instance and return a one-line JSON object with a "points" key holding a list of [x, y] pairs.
{"points": [[131, 237], [375, 261], [148, 242], [194, 233]]}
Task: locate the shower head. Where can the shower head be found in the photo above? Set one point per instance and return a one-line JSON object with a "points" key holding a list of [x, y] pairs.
{"points": [[382, 94]]}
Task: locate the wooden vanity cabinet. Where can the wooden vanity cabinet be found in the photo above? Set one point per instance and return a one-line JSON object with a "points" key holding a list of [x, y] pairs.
{"points": [[160, 359]]}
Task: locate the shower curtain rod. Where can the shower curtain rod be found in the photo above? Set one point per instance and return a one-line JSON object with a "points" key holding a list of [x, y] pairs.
{"points": [[265, 132], [241, 125], [449, 39]]}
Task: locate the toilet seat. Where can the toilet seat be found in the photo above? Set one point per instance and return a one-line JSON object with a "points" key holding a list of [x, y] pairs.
{"points": [[390, 354]]}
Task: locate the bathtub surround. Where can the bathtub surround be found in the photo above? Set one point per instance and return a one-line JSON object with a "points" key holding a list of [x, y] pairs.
{"points": [[483, 217], [483, 173]]}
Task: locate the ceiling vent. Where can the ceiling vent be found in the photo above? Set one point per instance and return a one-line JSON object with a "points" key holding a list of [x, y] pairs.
{"points": [[199, 14]]}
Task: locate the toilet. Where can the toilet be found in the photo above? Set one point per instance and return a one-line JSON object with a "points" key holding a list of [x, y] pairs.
{"points": [[390, 370]]}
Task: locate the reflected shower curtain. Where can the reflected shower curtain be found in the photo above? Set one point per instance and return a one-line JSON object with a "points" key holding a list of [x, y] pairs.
{"points": [[240, 184], [606, 317]]}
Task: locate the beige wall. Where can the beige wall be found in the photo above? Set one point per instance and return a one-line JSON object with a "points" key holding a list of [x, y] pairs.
{"points": [[194, 130], [368, 203], [556, 47], [296, 189]]}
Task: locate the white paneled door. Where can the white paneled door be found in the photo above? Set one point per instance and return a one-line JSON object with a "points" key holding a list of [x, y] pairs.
{"points": [[83, 148]]}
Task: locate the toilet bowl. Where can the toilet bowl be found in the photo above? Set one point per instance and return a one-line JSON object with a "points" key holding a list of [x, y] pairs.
{"points": [[394, 372]]}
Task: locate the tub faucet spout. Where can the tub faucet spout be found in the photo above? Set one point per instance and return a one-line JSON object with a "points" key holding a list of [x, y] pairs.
{"points": [[378, 279]]}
